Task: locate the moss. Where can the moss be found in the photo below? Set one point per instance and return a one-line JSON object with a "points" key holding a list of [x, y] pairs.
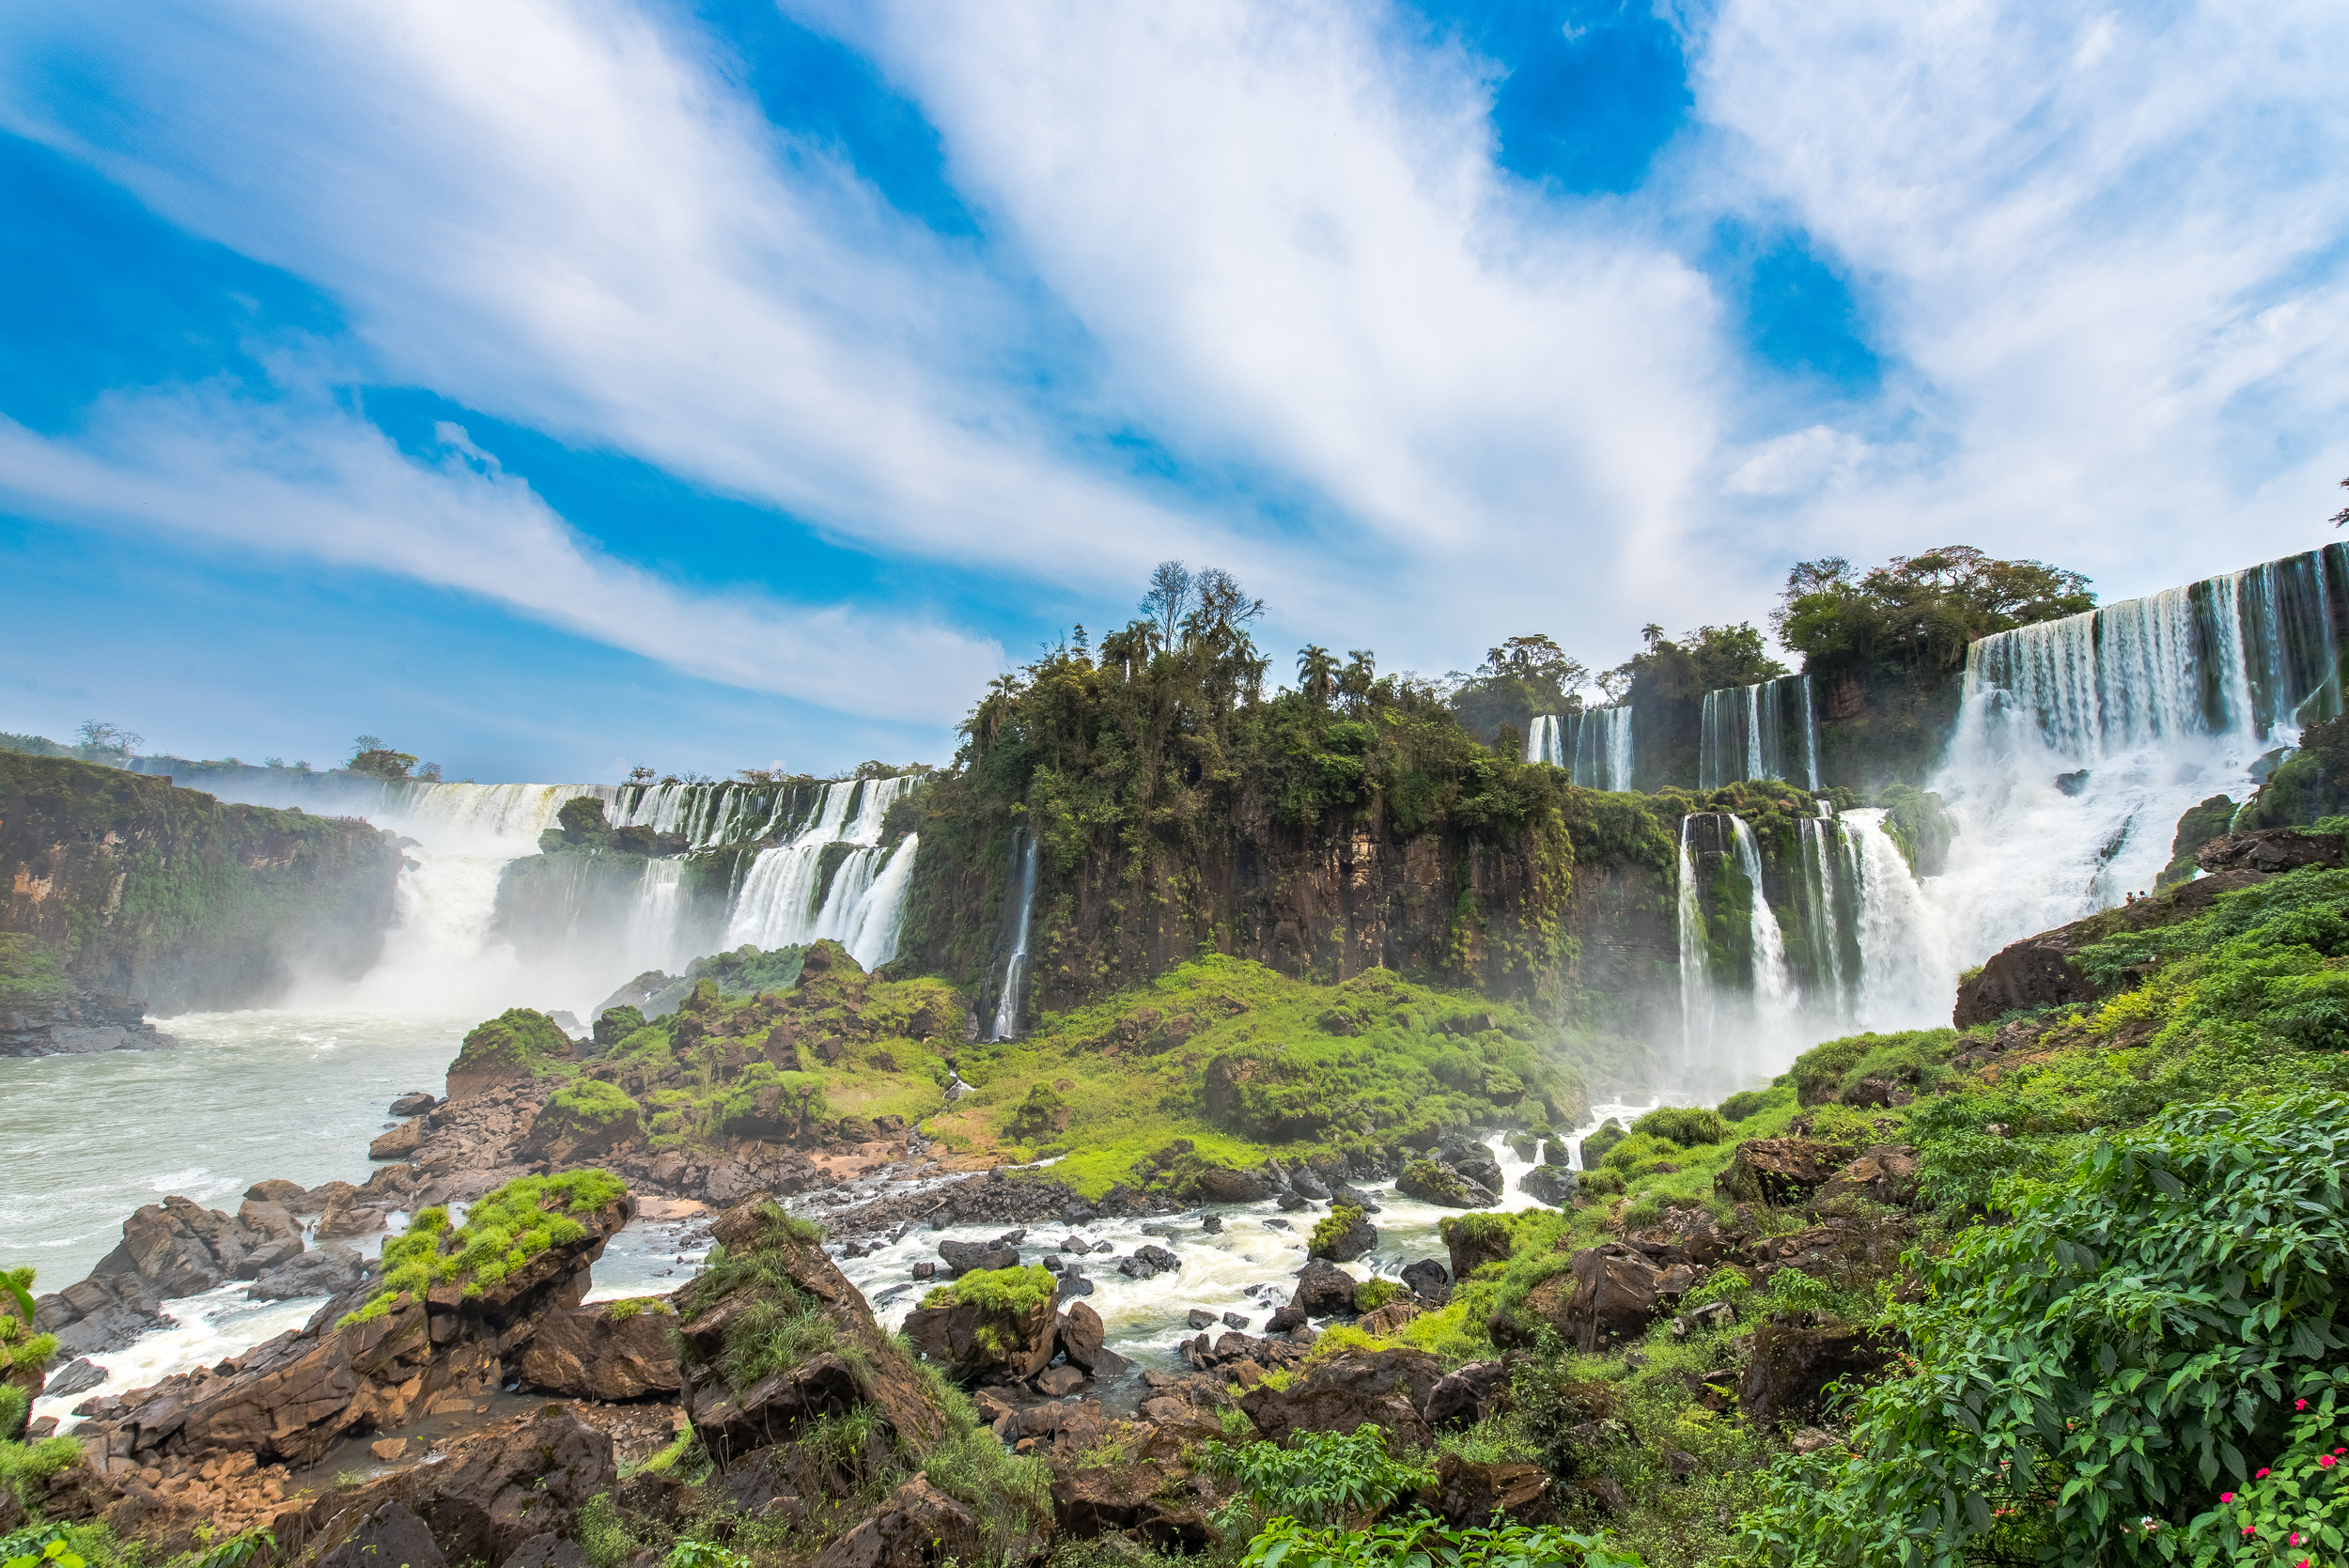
{"points": [[589, 1102], [1481, 1231], [519, 1037], [30, 977], [1434, 1177], [503, 1231], [1594, 1147], [998, 1292], [636, 1306], [1370, 1295], [1331, 1229], [1686, 1126]]}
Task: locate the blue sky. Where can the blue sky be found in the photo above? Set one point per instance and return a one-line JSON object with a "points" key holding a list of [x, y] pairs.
{"points": [[554, 388]]}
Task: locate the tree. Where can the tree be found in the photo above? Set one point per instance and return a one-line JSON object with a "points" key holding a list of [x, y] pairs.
{"points": [[1521, 679], [373, 757], [1316, 673], [640, 775], [1168, 600], [99, 738], [1916, 613], [2341, 518]]}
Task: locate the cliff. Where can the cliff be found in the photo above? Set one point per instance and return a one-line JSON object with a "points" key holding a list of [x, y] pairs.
{"points": [[141, 889]]}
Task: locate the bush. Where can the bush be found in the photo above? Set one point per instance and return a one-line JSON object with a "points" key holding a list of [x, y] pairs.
{"points": [[1688, 1125], [1326, 1478], [2126, 1348], [1370, 1295], [503, 1231], [1595, 1146], [1744, 1105], [1422, 1541]]}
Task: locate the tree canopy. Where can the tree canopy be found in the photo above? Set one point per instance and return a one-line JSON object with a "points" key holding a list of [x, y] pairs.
{"points": [[1916, 612]]}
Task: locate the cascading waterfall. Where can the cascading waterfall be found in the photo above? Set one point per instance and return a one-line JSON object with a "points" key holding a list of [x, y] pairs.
{"points": [[1696, 988], [1602, 748], [778, 908], [2080, 742], [1902, 979], [1016, 964], [1765, 731], [1773, 983], [1828, 909]]}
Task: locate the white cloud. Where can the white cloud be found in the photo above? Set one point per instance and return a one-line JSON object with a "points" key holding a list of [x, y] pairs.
{"points": [[306, 480], [1799, 463]]}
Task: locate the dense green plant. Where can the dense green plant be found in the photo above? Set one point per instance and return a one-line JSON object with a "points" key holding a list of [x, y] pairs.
{"points": [[2127, 1346], [1370, 1295], [1611, 1132], [40, 1547], [1686, 1125], [1423, 1540], [690, 1553], [1524, 678], [30, 975], [1916, 612], [1322, 1477], [238, 1551], [2295, 1505], [503, 1229], [518, 1037]]}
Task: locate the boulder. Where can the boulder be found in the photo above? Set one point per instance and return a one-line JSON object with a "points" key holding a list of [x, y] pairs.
{"points": [[1388, 1388], [327, 1271], [349, 1215], [1480, 1168], [1080, 1336], [1618, 1291], [1554, 1185], [173, 1248], [1145, 1497], [1433, 1182], [1222, 1184], [962, 1257], [1467, 1394], [587, 1353], [1791, 1367], [1885, 1174], [1148, 1262], [1687, 1236], [1778, 1171], [1473, 1495], [283, 1194], [391, 1533], [414, 1104], [2270, 850], [1476, 1240], [1351, 1237], [77, 1377], [976, 1344], [1427, 1279], [1308, 1185], [401, 1142], [1323, 1290], [919, 1524]]}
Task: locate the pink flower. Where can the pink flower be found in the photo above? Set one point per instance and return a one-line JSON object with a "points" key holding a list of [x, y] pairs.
{"points": [[2299, 1405], [2325, 1461], [2262, 1476], [2226, 1496], [2295, 1539], [2249, 1530]]}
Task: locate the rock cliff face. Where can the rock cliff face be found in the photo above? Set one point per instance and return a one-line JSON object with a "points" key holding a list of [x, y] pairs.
{"points": [[1324, 903], [142, 890]]}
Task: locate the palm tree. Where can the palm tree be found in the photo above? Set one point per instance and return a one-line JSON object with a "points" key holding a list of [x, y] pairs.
{"points": [[1317, 672]]}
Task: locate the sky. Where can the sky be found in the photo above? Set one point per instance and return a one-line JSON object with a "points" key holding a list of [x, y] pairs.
{"points": [[557, 389]]}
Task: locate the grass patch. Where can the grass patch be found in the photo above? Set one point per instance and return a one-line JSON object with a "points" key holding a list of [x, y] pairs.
{"points": [[501, 1232]]}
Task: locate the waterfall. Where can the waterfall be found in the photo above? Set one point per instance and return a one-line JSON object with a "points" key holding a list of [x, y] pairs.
{"points": [[1828, 906], [777, 906], [1745, 733], [1602, 748], [1773, 983], [881, 916], [1696, 990], [2079, 742], [1904, 982], [1016, 965]]}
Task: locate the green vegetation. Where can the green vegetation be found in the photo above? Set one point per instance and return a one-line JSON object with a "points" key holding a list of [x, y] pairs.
{"points": [[1006, 1299], [23, 1351], [1370, 1295], [1324, 1478], [637, 1306], [1666, 683], [1524, 678], [22, 1466], [1683, 1125], [30, 978], [519, 1039], [503, 1231], [781, 1325], [1422, 1541], [1332, 1228]]}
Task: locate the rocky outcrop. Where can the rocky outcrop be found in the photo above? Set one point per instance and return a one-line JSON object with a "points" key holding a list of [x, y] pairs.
{"points": [[1470, 1494], [142, 890], [1431, 1181], [844, 1362], [1388, 1388], [1473, 1240], [1467, 1394], [291, 1398], [611, 1352], [1792, 1367], [78, 1022], [1885, 1174], [989, 1339], [1778, 1171], [2270, 851], [1554, 1185], [918, 1525], [2039, 971], [1344, 1236], [1610, 1292], [173, 1248]]}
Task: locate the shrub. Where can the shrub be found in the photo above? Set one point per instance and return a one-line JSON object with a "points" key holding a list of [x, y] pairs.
{"points": [[1424, 1540], [1744, 1105], [589, 1105], [636, 1306], [2122, 1349], [1595, 1146], [1688, 1125], [1370, 1295], [501, 1232], [1038, 1117], [516, 1037], [1326, 1478], [1001, 1292]]}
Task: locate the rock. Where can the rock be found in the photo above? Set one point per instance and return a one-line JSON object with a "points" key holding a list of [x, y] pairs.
{"points": [[415, 1105], [1075, 1247], [283, 1194], [1284, 1319], [919, 1524], [401, 1142], [1617, 1292], [347, 1215], [1885, 1174], [1554, 1184], [1473, 1240], [328, 1271], [962, 1257], [1212, 1224], [1306, 1185], [173, 1248], [587, 1354], [1426, 1279], [1289, 1203], [1074, 1283], [1608, 1493], [550, 1551], [2270, 850], [1472, 1496], [1467, 1395], [1354, 1237], [1341, 1193], [972, 1345], [76, 1376], [392, 1535], [388, 1448], [1481, 1169], [1323, 1290], [1791, 1367], [1778, 1171], [1713, 1315], [1233, 1320], [1144, 1498], [1385, 1386], [1683, 1464], [1388, 1320], [1056, 1382], [1148, 1263], [1433, 1182], [1199, 1317], [1810, 1441], [1220, 1183], [1687, 1236], [926, 1270]]}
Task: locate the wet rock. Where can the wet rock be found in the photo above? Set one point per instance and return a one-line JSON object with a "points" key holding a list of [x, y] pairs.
{"points": [[1475, 1240], [1233, 1320], [1352, 1240], [1148, 1263], [401, 1142], [1885, 1174], [1212, 1224], [1307, 1185], [1791, 1367], [1323, 1290], [1474, 1496], [1220, 1183], [1289, 1203], [1199, 1317], [975, 1345], [348, 1216], [1480, 1168], [1467, 1395], [1341, 1193], [919, 1524], [1554, 1184], [1433, 1182], [392, 1533], [1386, 1387], [415, 1105], [963, 1257], [1778, 1171], [1056, 1382], [1074, 1283], [76, 1376], [327, 1271], [1427, 1278], [2270, 850], [173, 1248], [590, 1354]]}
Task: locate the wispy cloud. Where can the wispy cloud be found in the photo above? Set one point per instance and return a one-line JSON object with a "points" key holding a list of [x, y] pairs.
{"points": [[308, 480]]}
